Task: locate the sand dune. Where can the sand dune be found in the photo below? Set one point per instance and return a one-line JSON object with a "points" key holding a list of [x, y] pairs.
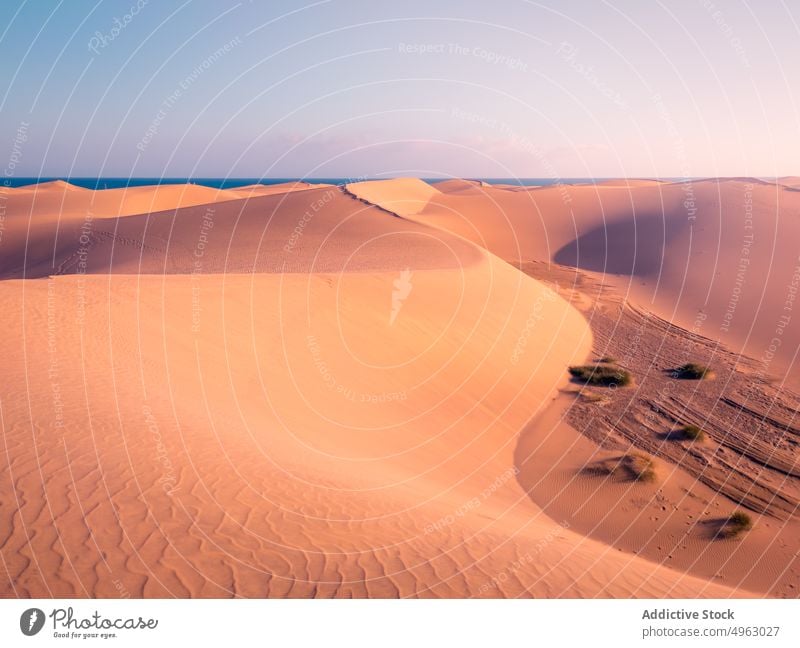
{"points": [[719, 250], [319, 230], [748, 459], [628, 182], [249, 191], [400, 196], [456, 185], [346, 428], [61, 200], [789, 181], [702, 279], [228, 462]]}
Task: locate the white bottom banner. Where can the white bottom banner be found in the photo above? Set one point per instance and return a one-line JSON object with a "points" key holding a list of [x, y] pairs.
{"points": [[391, 623]]}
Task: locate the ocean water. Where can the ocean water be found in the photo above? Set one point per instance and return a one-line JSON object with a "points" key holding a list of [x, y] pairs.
{"points": [[117, 183], [229, 183]]}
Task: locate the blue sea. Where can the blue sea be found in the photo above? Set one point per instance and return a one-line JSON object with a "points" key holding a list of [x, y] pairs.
{"points": [[230, 183]]}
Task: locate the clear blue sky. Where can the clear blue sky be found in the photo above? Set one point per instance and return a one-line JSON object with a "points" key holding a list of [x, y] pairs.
{"points": [[349, 87]]}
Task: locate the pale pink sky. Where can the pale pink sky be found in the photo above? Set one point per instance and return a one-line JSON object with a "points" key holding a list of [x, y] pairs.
{"points": [[350, 88]]}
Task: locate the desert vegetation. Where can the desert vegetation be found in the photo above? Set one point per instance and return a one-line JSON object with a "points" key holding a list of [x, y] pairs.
{"points": [[692, 371], [601, 375], [692, 433], [736, 525], [591, 396], [631, 466]]}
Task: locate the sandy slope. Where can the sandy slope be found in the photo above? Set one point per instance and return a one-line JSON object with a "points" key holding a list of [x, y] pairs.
{"points": [[789, 181], [403, 196], [724, 249], [748, 459], [59, 199], [347, 428], [319, 230], [636, 241], [249, 191], [457, 185]]}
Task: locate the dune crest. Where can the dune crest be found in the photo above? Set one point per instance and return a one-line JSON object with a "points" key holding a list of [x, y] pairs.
{"points": [[248, 191], [660, 278], [400, 196], [711, 249]]}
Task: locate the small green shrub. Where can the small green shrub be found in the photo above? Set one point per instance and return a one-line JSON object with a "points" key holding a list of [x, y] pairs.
{"points": [[737, 523], [693, 433], [692, 371], [641, 467], [631, 466], [601, 375]]}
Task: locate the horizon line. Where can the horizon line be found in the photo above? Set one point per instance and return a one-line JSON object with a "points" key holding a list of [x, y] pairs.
{"points": [[362, 178]]}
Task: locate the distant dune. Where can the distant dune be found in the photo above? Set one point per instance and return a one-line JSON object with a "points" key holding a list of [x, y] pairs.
{"points": [[789, 181], [457, 186], [60, 199], [400, 196], [268, 190], [319, 230], [715, 250], [665, 273]]}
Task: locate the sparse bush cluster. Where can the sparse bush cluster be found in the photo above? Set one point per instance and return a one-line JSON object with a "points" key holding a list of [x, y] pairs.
{"points": [[692, 433], [601, 375], [631, 466], [736, 524], [640, 467], [692, 371]]}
